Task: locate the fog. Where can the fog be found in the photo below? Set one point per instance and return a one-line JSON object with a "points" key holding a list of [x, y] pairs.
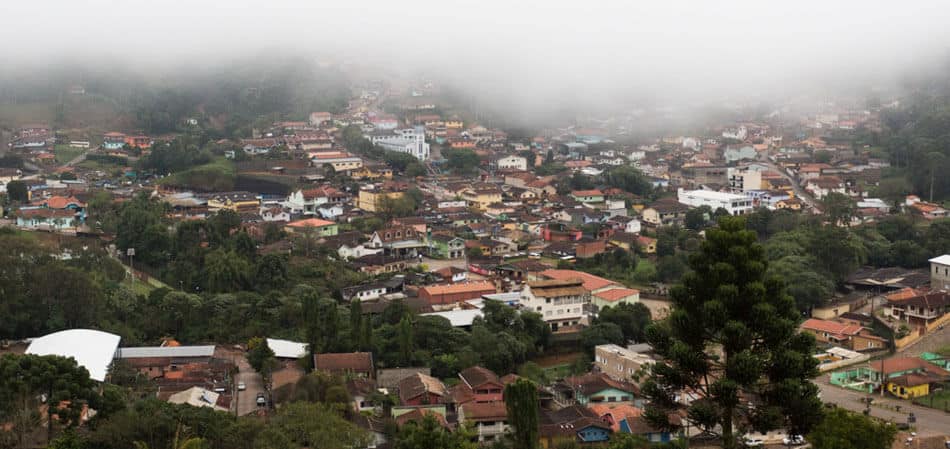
{"points": [[534, 55]]}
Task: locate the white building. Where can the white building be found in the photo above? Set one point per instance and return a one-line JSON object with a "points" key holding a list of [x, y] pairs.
{"points": [[561, 303], [734, 204], [512, 162], [739, 133], [940, 272], [410, 140]]}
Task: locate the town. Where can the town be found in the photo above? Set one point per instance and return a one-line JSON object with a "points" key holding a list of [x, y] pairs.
{"points": [[401, 268]]}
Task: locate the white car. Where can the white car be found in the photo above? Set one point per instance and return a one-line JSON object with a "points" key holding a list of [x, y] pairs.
{"points": [[793, 440], [242, 386], [752, 442]]}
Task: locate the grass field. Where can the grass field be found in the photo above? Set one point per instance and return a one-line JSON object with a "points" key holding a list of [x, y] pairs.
{"points": [[939, 400], [218, 175], [65, 154]]}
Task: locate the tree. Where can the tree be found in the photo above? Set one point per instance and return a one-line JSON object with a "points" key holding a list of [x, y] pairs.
{"points": [[428, 434], [405, 340], [521, 403], [629, 179], [270, 272], [17, 191], [318, 426], [461, 161], [356, 323], [839, 208], [730, 321], [64, 384], [261, 357], [841, 429], [601, 333], [696, 218], [632, 319], [226, 271]]}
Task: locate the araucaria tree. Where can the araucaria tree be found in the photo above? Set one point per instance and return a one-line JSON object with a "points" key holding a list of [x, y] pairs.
{"points": [[731, 341]]}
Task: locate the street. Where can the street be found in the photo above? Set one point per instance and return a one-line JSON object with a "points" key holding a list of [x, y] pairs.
{"points": [[800, 193], [930, 422], [247, 400]]}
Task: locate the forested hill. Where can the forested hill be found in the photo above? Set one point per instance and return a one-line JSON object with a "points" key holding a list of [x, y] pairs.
{"points": [[916, 136]]}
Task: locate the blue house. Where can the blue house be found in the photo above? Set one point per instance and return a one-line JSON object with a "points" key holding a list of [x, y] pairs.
{"points": [[574, 423]]}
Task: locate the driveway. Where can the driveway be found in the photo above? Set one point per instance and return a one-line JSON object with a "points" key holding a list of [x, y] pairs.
{"points": [[247, 399], [930, 422]]}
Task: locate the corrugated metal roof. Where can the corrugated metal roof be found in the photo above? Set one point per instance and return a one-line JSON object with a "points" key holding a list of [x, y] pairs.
{"points": [[165, 351]]}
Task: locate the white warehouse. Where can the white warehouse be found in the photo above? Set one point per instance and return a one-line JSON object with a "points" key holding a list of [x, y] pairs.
{"points": [[734, 204]]}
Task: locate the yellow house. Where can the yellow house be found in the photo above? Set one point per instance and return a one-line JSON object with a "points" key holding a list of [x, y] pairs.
{"points": [[233, 201], [372, 172], [453, 124], [481, 198], [370, 200], [910, 386]]}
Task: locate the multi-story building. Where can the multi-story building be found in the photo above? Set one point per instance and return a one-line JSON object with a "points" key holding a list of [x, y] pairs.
{"points": [[512, 162], [621, 363], [113, 141], [341, 161], [410, 140], [488, 420], [665, 212], [372, 200], [744, 180], [940, 272], [732, 203], [561, 303]]}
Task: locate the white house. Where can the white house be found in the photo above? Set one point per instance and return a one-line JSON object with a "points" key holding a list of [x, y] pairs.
{"points": [[330, 211], [512, 162], [348, 252], [940, 272], [275, 214], [561, 303], [734, 204], [739, 133]]}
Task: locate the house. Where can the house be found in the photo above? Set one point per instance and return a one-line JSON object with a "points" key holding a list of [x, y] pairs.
{"points": [[573, 423], [512, 162], [482, 197], [341, 161], [593, 284], [869, 378], [593, 388], [374, 200], [665, 212], [167, 362], [623, 240], [46, 219], [823, 186], [399, 241], [588, 196], [921, 310], [313, 226], [494, 248], [488, 420], [200, 397], [647, 244], [361, 389], [562, 303], [113, 141], [478, 384], [940, 272], [615, 297], [447, 246], [422, 389], [376, 264], [849, 336], [373, 290], [275, 214], [732, 203], [622, 364], [452, 294], [319, 118], [622, 223], [359, 364], [452, 274], [239, 200]]}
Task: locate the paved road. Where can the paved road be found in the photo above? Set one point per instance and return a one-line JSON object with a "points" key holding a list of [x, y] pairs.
{"points": [[799, 191], [247, 399], [930, 422]]}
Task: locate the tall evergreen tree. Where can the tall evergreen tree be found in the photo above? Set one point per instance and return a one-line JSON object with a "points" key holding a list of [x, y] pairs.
{"points": [[356, 323], [405, 340], [521, 403], [732, 337]]}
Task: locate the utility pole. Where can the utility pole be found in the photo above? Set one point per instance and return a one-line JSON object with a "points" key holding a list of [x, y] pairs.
{"points": [[131, 253]]}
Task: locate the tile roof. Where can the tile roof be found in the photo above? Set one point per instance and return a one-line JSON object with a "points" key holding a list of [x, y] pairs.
{"points": [[463, 287], [831, 327], [478, 375], [484, 411], [345, 361], [419, 384], [591, 282], [310, 223], [900, 364], [591, 383], [614, 413], [616, 294]]}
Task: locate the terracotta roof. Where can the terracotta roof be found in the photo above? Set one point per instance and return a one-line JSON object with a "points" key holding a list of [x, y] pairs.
{"points": [[934, 300], [616, 294], [345, 361], [60, 202], [899, 364], [593, 192], [45, 213], [831, 327], [477, 375], [464, 287], [591, 282], [915, 379], [484, 411], [419, 384], [310, 223], [591, 383], [569, 420], [614, 413], [418, 415]]}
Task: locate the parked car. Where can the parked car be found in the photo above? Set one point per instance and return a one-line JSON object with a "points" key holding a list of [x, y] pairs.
{"points": [[752, 442], [242, 386], [793, 440], [261, 401]]}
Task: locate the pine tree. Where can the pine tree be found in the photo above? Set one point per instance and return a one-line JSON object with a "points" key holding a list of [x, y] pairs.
{"points": [[356, 323], [732, 336]]}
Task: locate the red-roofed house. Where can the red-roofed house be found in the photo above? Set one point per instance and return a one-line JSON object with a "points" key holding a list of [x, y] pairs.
{"points": [[451, 294], [615, 296], [850, 336], [591, 283], [317, 226]]}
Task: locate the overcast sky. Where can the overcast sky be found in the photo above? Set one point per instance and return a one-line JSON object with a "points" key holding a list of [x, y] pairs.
{"points": [[532, 48]]}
